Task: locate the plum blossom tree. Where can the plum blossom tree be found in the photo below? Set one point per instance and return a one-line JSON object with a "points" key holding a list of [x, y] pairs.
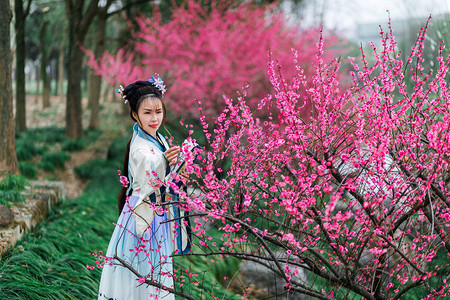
{"points": [[349, 184], [357, 194], [204, 52]]}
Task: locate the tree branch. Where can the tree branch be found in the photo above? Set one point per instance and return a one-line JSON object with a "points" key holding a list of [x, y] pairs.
{"points": [[152, 283]]}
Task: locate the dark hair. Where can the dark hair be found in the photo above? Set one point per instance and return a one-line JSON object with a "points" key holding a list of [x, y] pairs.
{"points": [[135, 93]]}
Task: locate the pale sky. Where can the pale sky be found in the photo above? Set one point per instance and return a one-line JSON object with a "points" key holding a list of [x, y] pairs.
{"points": [[347, 14]]}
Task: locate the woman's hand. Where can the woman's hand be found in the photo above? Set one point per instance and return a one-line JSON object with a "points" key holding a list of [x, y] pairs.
{"points": [[184, 174], [172, 154]]}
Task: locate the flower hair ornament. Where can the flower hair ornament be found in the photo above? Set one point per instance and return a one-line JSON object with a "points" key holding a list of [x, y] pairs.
{"points": [[120, 92], [155, 81], [158, 83]]}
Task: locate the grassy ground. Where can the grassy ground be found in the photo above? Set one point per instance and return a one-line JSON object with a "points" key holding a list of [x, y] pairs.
{"points": [[50, 262]]}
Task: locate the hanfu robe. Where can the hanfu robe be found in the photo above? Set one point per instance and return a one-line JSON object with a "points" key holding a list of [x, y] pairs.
{"points": [[144, 237]]}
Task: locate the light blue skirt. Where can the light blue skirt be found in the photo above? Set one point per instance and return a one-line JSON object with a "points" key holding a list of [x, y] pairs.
{"points": [[148, 254]]}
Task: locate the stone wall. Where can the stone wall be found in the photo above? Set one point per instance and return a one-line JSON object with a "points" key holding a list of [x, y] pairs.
{"points": [[40, 197]]}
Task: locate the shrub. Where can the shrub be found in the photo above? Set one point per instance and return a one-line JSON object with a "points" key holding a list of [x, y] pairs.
{"points": [[26, 149], [73, 145], [96, 168], [28, 170], [50, 161], [46, 166], [13, 183], [93, 134], [10, 189], [116, 150], [50, 134], [8, 197]]}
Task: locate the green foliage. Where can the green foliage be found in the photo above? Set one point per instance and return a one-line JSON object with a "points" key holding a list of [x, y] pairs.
{"points": [[46, 166], [210, 272], [92, 134], [51, 262], [50, 161], [73, 145], [205, 284], [45, 134], [10, 189], [13, 183], [8, 197], [116, 151], [80, 143], [26, 149], [96, 168], [28, 170]]}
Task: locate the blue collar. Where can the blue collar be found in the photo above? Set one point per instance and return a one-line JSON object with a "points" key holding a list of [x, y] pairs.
{"points": [[138, 131]]}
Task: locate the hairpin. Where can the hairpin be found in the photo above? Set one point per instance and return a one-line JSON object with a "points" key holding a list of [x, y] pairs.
{"points": [[120, 91], [158, 83]]}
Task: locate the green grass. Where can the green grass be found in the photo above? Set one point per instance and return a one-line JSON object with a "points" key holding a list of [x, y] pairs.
{"points": [[210, 274], [50, 263], [47, 148], [28, 170], [27, 149], [10, 189], [50, 161], [13, 183]]}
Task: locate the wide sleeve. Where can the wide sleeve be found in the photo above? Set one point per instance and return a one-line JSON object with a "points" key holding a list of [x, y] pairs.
{"points": [[148, 169]]}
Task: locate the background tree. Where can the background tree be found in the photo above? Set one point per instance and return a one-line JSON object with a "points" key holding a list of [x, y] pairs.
{"points": [[44, 63], [79, 18], [19, 27], [8, 157], [103, 14], [204, 52], [95, 80]]}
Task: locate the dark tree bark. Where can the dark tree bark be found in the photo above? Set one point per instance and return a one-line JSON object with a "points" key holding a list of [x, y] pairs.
{"points": [[44, 63], [19, 27], [61, 73], [79, 22], [95, 80], [38, 84], [8, 157]]}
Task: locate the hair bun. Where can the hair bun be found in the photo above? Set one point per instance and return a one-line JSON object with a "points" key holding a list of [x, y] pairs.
{"points": [[136, 90]]}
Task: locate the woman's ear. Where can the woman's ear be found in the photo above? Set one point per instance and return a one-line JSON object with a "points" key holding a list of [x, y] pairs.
{"points": [[135, 116]]}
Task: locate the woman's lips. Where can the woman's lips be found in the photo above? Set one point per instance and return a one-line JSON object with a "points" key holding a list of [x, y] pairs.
{"points": [[154, 126]]}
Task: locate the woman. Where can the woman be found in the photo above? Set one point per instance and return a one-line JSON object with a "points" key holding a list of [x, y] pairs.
{"points": [[143, 240]]}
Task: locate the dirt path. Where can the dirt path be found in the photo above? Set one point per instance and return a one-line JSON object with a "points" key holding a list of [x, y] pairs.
{"points": [[37, 116]]}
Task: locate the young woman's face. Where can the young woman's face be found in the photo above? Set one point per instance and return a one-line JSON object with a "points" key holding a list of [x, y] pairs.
{"points": [[150, 115]]}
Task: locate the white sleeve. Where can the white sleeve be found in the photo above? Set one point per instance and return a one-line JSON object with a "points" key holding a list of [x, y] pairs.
{"points": [[148, 175]]}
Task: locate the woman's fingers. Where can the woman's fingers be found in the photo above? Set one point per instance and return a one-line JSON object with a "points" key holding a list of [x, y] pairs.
{"points": [[171, 154], [184, 174]]}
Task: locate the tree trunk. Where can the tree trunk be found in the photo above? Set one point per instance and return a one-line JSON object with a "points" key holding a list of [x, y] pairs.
{"points": [[38, 84], [74, 128], [106, 93], [44, 64], [19, 26], [78, 25], [95, 82], [61, 73], [8, 157]]}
